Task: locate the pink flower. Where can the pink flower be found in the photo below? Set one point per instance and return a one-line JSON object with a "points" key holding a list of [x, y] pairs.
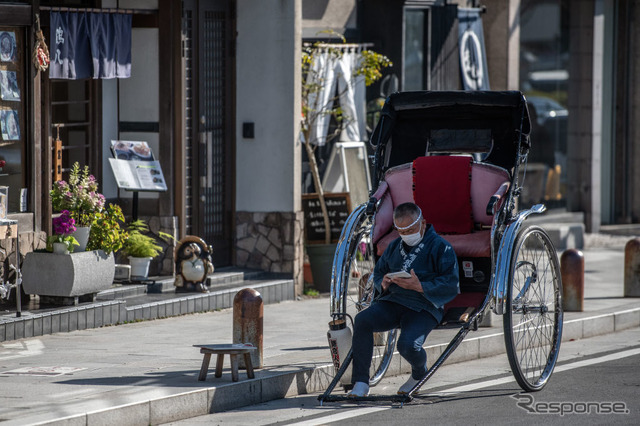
{"points": [[79, 195]]}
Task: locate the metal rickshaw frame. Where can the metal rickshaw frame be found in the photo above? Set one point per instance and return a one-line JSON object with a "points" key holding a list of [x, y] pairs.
{"points": [[401, 135]]}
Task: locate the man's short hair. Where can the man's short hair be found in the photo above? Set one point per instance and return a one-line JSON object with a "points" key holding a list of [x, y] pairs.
{"points": [[410, 210]]}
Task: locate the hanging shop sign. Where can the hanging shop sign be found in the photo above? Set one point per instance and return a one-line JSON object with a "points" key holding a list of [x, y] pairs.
{"points": [[90, 45], [473, 60]]}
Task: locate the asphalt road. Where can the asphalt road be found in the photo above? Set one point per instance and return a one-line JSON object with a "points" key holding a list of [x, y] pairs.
{"points": [[597, 381], [602, 393]]}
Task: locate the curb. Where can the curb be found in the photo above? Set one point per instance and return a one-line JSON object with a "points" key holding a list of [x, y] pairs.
{"points": [[114, 312], [304, 380]]}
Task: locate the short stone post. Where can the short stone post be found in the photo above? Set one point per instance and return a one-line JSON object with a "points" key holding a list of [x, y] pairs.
{"points": [[247, 323], [632, 268], [572, 271]]}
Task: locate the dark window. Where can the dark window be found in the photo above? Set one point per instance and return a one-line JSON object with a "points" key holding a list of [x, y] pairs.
{"points": [[14, 133]]}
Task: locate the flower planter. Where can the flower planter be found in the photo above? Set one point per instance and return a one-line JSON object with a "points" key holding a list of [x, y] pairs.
{"points": [[321, 260], [139, 266], [60, 248], [78, 274], [82, 235]]}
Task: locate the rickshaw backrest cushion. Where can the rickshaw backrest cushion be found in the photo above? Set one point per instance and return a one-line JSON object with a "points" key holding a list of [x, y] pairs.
{"points": [[442, 189], [397, 190], [485, 181], [400, 183]]}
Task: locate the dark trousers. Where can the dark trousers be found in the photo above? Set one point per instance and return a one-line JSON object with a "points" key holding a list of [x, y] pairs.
{"points": [[383, 316]]}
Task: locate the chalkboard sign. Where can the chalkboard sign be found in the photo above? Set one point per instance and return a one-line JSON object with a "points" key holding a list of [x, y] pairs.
{"points": [[338, 207]]}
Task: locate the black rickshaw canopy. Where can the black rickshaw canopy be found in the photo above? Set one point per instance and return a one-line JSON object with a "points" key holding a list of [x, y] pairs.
{"points": [[494, 125]]}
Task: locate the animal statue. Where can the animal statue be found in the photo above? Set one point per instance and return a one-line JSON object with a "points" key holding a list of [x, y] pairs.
{"points": [[193, 263]]}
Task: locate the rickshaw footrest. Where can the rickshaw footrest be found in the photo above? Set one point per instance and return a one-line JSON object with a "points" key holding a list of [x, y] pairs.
{"points": [[372, 398]]}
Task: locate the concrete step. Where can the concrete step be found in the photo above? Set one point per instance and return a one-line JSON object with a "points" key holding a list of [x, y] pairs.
{"points": [[631, 230], [565, 235], [131, 303], [222, 276], [121, 291], [566, 229], [558, 216]]}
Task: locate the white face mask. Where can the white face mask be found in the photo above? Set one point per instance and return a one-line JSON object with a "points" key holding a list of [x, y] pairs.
{"points": [[413, 239]]}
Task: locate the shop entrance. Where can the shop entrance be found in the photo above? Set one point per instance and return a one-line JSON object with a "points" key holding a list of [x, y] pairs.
{"points": [[208, 48]]}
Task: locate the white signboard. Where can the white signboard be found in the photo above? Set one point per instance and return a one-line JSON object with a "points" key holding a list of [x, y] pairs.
{"points": [[135, 167], [138, 175]]}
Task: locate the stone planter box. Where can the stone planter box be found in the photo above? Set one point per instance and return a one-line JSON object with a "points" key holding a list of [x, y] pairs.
{"points": [[71, 275]]}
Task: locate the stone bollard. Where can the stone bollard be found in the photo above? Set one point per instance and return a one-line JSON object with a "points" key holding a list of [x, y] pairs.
{"points": [[572, 272], [632, 268], [247, 323]]}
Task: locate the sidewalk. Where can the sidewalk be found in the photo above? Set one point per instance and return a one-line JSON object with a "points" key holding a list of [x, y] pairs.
{"points": [[146, 372]]}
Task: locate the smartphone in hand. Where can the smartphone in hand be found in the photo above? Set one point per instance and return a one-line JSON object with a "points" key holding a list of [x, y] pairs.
{"points": [[399, 274]]}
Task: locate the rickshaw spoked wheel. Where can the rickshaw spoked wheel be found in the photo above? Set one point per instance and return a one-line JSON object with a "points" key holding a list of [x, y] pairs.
{"points": [[533, 312], [359, 294]]}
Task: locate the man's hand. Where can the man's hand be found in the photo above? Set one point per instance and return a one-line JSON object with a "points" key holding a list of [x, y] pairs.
{"points": [[412, 283], [386, 282]]}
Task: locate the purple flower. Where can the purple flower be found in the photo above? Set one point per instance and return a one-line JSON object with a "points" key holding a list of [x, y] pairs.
{"points": [[64, 224]]}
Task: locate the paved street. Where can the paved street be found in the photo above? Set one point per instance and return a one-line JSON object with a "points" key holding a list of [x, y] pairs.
{"points": [[146, 372], [600, 369]]}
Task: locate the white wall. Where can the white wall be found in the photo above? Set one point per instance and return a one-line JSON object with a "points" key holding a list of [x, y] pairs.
{"points": [[268, 94], [338, 15], [139, 94], [131, 99], [109, 132], [109, 127]]}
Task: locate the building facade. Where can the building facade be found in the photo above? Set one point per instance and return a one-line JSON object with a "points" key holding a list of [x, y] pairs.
{"points": [[215, 92]]}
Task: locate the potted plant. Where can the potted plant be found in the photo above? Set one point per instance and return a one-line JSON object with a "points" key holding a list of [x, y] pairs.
{"points": [[62, 242], [317, 105], [141, 248], [80, 273], [106, 233], [81, 198]]}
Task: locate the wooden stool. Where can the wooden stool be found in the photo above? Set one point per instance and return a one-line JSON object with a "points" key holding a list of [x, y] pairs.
{"points": [[233, 350]]}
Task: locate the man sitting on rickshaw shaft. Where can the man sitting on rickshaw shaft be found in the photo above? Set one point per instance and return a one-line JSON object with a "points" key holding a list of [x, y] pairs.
{"points": [[414, 304]]}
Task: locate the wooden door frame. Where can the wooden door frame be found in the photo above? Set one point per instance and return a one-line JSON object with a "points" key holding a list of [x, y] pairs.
{"points": [[171, 110], [230, 123]]}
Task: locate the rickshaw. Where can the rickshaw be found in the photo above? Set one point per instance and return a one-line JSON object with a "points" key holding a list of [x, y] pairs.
{"points": [[461, 156]]}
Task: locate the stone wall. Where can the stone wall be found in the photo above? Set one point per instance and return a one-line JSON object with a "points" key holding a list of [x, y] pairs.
{"points": [[271, 242], [29, 241]]}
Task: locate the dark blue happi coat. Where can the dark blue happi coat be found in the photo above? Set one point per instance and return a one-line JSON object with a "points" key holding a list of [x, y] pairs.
{"points": [[433, 261]]}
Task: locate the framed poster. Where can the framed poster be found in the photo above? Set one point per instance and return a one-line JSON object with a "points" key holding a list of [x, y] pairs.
{"points": [[9, 90], [4, 200], [10, 125], [7, 46]]}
